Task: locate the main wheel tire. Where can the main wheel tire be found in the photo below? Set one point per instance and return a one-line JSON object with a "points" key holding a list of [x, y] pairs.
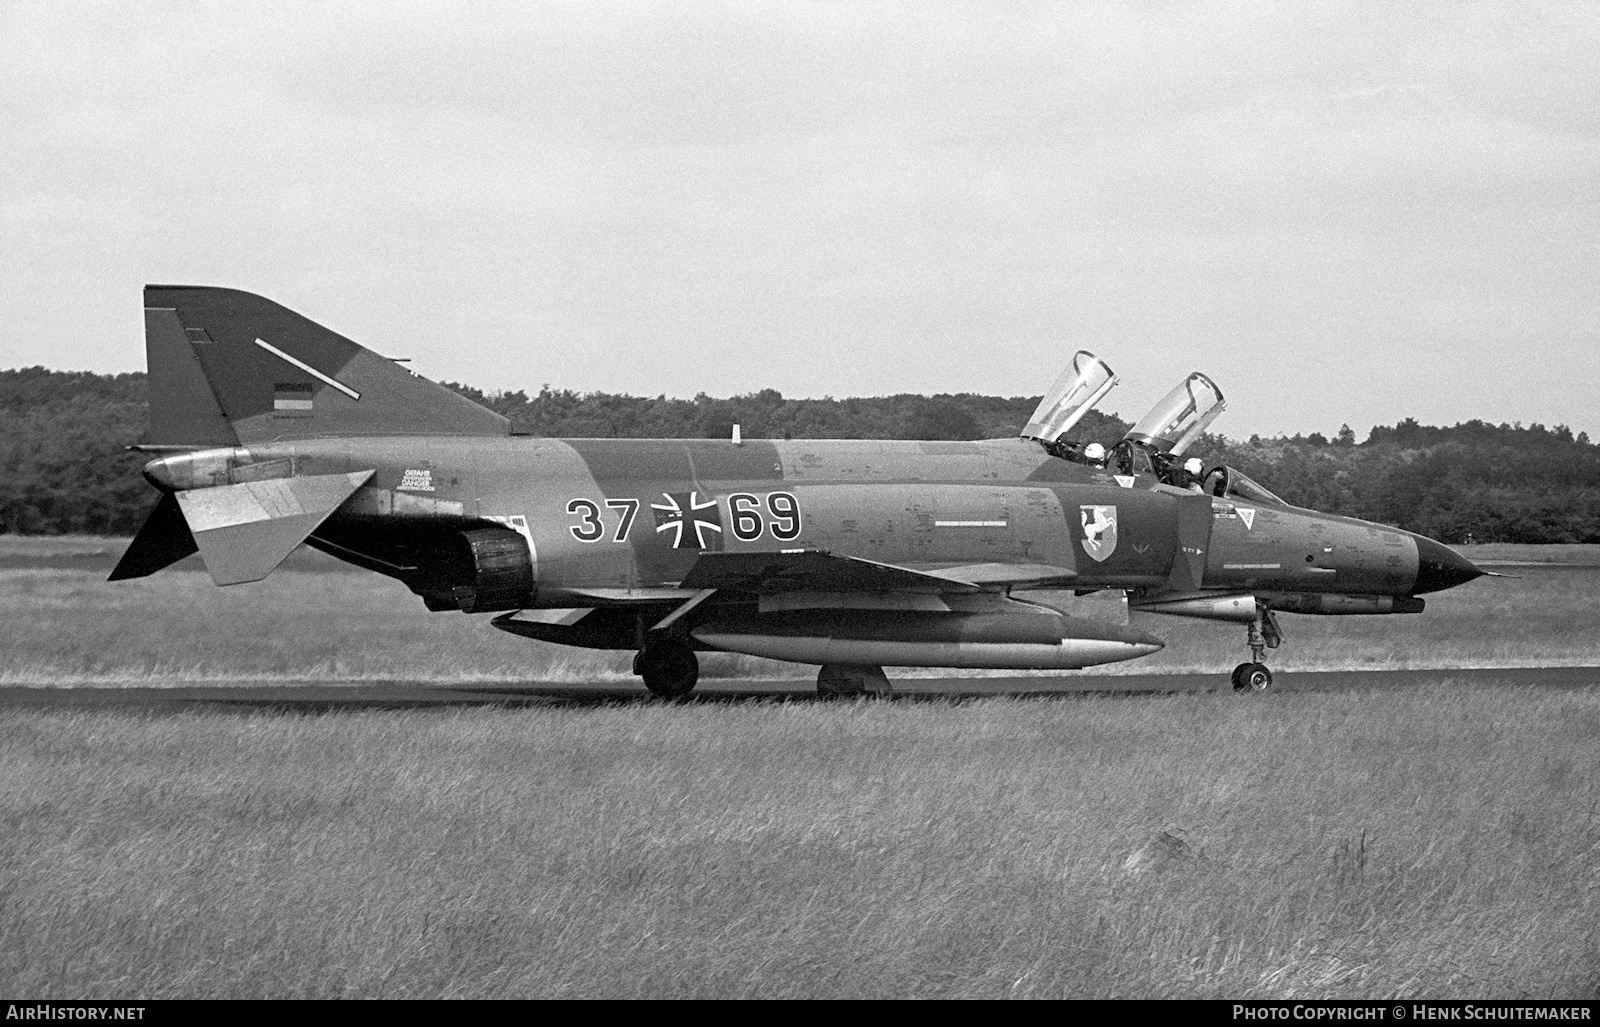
{"points": [[669, 670], [1256, 678], [1237, 677]]}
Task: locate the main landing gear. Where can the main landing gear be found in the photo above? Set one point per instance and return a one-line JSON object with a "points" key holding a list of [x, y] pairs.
{"points": [[1262, 634], [669, 668]]}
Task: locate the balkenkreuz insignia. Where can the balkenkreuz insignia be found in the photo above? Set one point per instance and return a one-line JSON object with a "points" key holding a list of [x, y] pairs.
{"points": [[695, 523]]}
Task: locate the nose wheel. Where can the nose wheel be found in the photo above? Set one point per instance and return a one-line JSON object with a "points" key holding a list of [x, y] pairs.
{"points": [[1262, 634], [1252, 677]]}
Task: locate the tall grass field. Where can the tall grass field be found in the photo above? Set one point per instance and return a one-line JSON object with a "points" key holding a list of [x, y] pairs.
{"points": [[1432, 842], [1417, 841]]}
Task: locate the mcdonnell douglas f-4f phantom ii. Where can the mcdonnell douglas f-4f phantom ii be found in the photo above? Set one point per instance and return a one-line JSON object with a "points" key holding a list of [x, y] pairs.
{"points": [[272, 431]]}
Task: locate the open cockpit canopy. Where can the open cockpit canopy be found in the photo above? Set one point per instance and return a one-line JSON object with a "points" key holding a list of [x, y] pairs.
{"points": [[1174, 424], [1085, 381]]}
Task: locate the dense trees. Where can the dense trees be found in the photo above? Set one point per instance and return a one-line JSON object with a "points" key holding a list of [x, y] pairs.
{"points": [[764, 414], [62, 463], [63, 467], [1471, 482]]}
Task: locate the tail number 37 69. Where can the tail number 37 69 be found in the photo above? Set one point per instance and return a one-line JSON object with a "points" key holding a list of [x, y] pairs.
{"points": [[751, 516]]}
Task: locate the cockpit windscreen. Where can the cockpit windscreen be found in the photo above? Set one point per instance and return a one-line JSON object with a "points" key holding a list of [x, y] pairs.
{"points": [[1231, 483]]}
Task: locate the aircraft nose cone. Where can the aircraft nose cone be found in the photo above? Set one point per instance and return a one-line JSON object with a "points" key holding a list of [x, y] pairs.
{"points": [[1439, 567]]}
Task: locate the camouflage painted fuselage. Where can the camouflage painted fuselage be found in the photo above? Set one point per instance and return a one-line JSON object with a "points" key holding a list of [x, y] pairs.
{"points": [[606, 516], [851, 555]]}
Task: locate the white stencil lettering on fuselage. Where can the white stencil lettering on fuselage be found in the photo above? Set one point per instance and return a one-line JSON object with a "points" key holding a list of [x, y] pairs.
{"points": [[416, 481]]}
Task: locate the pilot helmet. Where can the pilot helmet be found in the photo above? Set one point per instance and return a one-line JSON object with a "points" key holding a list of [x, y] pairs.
{"points": [[1094, 452], [1193, 466]]}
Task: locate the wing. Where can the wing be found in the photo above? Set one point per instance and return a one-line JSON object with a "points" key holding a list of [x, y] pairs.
{"points": [[817, 570], [1019, 575], [810, 570]]}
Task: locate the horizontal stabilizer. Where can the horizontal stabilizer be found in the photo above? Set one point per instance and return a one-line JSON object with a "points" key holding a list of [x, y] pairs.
{"points": [[162, 542], [244, 531], [810, 570]]}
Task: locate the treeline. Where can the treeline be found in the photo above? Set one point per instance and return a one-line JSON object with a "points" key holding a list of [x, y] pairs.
{"points": [[1473, 482], [65, 469], [768, 415]]}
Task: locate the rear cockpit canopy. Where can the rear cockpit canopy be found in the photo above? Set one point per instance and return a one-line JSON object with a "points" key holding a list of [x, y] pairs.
{"points": [[1085, 381], [1175, 423]]}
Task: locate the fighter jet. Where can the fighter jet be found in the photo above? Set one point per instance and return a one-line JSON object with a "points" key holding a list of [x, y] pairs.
{"points": [[270, 431]]}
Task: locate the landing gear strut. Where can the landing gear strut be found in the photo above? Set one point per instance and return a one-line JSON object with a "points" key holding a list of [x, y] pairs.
{"points": [[1262, 634], [669, 668]]}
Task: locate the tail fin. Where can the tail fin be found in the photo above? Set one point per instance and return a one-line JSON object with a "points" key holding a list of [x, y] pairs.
{"points": [[230, 368]]}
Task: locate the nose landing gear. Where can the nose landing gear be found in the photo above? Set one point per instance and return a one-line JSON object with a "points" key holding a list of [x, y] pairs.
{"points": [[1252, 677], [1262, 634]]}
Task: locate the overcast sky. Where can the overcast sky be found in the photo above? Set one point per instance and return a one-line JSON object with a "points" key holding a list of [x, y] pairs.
{"points": [[1343, 212]]}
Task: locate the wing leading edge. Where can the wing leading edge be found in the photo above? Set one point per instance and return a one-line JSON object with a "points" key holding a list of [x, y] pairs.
{"points": [[817, 570]]}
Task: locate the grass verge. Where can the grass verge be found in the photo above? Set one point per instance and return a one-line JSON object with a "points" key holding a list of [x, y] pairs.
{"points": [[1435, 842], [69, 627]]}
